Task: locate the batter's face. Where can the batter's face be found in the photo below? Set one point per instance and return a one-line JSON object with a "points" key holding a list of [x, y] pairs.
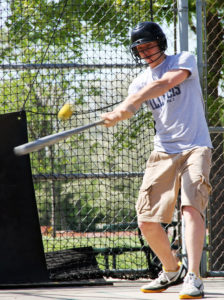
{"points": [[151, 53]]}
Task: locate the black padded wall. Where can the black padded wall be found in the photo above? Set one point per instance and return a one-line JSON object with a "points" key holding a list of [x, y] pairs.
{"points": [[22, 257]]}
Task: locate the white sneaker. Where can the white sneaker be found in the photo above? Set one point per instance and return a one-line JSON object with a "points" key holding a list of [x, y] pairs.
{"points": [[193, 287], [165, 280]]}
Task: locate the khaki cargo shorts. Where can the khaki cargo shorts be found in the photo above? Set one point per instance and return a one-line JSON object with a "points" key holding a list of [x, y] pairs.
{"points": [[165, 175]]}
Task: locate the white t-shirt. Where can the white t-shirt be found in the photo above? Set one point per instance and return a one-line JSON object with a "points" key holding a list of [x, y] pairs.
{"points": [[179, 114]]}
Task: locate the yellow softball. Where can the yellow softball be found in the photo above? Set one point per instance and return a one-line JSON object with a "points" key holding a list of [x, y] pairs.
{"points": [[66, 112]]}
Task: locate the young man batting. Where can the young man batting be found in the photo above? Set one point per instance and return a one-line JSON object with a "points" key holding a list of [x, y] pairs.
{"points": [[181, 159]]}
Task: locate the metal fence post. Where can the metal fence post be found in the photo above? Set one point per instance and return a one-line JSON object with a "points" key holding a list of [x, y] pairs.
{"points": [[183, 24], [203, 266], [199, 39], [183, 35]]}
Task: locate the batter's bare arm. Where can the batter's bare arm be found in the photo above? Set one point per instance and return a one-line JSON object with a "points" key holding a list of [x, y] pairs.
{"points": [[152, 90]]}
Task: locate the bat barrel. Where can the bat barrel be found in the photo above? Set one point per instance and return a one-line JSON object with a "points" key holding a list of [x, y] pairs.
{"points": [[51, 139]]}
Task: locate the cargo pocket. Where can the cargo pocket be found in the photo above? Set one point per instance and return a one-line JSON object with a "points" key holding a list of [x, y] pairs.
{"points": [[143, 203], [204, 190]]}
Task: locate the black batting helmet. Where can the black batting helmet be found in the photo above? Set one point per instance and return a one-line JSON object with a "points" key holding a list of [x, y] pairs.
{"points": [[146, 32]]}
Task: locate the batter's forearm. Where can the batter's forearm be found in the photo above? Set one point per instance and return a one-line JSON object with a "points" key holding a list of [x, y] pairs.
{"points": [[133, 102]]}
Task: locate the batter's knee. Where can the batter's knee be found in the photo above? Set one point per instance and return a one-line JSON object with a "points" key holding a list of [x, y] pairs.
{"points": [[147, 226], [191, 212]]}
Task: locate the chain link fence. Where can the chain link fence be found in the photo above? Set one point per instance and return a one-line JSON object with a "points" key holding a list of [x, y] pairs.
{"points": [[214, 95], [53, 52]]}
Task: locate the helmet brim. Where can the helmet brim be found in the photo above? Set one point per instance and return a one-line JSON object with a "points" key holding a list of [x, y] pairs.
{"points": [[141, 42]]}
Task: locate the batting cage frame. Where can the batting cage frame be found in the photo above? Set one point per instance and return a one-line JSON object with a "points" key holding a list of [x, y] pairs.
{"points": [[57, 52]]}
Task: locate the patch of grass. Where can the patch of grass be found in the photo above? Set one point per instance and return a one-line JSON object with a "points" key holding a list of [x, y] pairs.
{"points": [[127, 260], [54, 244]]}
